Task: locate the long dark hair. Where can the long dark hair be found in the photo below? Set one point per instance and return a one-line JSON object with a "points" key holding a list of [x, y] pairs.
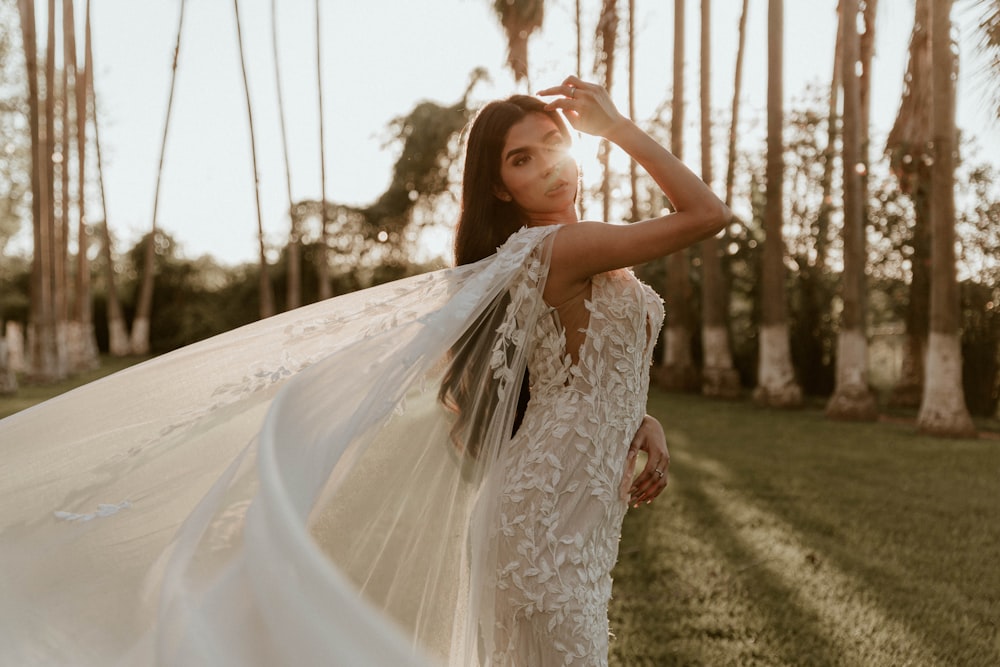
{"points": [[486, 222]]}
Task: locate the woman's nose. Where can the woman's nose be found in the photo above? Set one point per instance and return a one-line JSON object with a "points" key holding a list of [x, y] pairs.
{"points": [[553, 162]]}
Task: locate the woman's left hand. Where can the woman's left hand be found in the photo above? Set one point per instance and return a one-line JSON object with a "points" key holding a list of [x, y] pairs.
{"points": [[651, 439], [587, 106]]}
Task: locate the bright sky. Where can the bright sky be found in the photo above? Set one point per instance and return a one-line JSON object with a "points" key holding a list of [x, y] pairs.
{"points": [[380, 57]]}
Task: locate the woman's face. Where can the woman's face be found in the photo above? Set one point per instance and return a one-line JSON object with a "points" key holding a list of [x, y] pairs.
{"points": [[537, 172]]}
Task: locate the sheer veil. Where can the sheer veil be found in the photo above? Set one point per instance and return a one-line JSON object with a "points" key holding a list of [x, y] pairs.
{"points": [[315, 488]]}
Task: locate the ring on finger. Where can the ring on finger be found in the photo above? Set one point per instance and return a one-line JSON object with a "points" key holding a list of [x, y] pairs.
{"points": [[572, 92], [659, 472]]}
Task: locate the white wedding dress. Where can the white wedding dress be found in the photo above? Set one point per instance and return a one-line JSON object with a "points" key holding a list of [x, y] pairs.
{"points": [[296, 492]]}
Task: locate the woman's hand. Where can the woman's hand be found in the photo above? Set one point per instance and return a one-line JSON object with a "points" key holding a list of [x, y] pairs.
{"points": [[653, 478], [587, 106]]}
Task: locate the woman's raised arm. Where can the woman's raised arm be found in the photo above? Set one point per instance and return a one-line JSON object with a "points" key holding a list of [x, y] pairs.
{"points": [[587, 248]]}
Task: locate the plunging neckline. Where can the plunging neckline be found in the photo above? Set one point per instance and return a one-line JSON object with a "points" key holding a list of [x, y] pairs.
{"points": [[588, 304]]}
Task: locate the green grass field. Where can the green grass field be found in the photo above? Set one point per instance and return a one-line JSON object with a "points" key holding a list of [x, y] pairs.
{"points": [[788, 539]]}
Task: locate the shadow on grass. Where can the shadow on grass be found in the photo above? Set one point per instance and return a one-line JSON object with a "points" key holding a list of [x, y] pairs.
{"points": [[879, 546]]}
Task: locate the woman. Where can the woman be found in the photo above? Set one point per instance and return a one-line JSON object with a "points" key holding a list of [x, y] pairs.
{"points": [[284, 493], [562, 479]]}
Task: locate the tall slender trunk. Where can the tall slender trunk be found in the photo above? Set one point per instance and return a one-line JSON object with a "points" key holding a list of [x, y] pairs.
{"points": [[144, 309], [909, 145], [579, 74], [118, 341], [57, 240], [852, 398], [607, 30], [737, 88], [718, 378], [83, 339], [632, 173], [322, 252], [579, 41], [293, 294], [266, 301], [776, 383], [942, 410], [678, 372], [830, 154], [61, 228], [42, 355]]}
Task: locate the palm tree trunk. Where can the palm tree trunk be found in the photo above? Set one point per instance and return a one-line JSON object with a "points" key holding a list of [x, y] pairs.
{"points": [[118, 341], [607, 30], [61, 265], [264, 282], [678, 372], [81, 328], [144, 309], [852, 398], [776, 383], [42, 356], [737, 87], [910, 157], [293, 295], [632, 174], [322, 253], [579, 41], [942, 410], [718, 378]]}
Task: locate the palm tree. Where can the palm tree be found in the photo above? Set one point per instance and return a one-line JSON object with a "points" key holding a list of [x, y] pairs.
{"points": [[118, 341], [264, 285], [143, 311], [942, 409], [632, 174], [719, 378], [82, 335], [737, 87], [293, 297], [909, 148], [519, 19], [42, 353], [852, 398], [61, 229], [776, 383], [322, 258], [678, 371], [606, 38]]}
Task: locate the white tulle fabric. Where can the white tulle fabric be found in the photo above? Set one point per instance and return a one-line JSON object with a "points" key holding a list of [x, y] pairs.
{"points": [[295, 493]]}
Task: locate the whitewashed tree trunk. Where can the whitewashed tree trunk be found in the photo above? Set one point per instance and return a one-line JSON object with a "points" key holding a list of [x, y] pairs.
{"points": [[776, 383], [942, 409], [718, 377], [8, 379], [853, 398], [14, 336], [118, 342]]}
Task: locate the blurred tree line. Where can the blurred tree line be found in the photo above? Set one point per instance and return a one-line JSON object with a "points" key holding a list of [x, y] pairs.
{"points": [[198, 298]]}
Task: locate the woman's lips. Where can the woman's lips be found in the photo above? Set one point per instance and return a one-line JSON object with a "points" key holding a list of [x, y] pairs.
{"points": [[557, 188]]}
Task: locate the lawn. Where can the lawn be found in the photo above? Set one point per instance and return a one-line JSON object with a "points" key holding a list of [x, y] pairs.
{"points": [[788, 539]]}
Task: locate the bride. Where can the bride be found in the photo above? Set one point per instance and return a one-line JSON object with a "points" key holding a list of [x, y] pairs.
{"points": [[432, 471]]}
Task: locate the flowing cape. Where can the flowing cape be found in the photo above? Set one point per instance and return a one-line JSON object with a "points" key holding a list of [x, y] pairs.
{"points": [[294, 492]]}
